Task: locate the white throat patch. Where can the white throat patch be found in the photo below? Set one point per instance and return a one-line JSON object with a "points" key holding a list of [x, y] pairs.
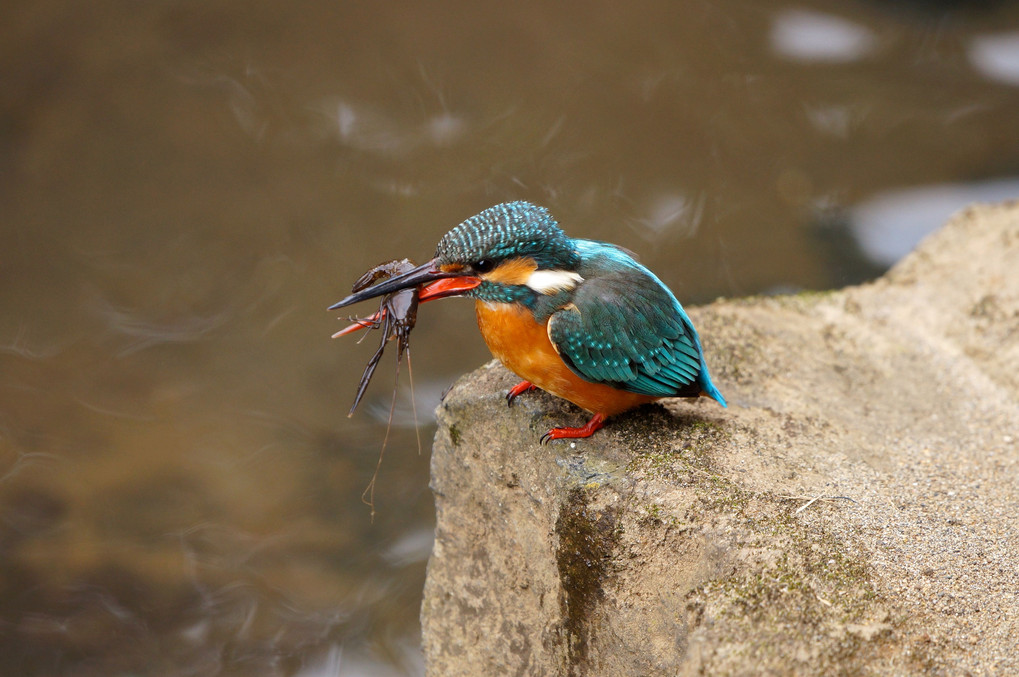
{"points": [[552, 281]]}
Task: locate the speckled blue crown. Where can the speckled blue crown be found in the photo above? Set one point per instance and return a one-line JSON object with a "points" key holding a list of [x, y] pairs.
{"points": [[504, 231]]}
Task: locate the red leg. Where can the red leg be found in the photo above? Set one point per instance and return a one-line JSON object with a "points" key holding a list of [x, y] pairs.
{"points": [[519, 389], [596, 422]]}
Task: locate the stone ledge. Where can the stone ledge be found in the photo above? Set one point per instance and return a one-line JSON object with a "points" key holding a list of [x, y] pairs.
{"points": [[852, 511]]}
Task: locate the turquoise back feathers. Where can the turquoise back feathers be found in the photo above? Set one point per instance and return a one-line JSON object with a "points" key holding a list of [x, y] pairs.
{"points": [[629, 330]]}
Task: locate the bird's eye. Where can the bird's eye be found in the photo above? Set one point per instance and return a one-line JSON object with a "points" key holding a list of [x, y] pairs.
{"points": [[484, 265]]}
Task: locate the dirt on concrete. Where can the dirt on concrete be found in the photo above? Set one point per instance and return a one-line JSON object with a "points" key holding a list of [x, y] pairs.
{"points": [[853, 511]]}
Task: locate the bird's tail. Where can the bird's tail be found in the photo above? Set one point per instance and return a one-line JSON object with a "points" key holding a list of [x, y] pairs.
{"points": [[708, 388]]}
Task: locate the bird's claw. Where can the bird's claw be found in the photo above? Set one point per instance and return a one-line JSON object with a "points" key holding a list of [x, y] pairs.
{"points": [[588, 429], [560, 434], [518, 389]]}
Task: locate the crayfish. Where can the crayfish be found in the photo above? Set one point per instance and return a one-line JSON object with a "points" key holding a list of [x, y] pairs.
{"points": [[396, 317]]}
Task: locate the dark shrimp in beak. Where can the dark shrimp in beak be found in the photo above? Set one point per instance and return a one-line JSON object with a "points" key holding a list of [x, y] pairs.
{"points": [[396, 317]]}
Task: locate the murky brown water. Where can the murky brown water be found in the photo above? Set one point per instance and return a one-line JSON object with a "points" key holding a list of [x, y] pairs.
{"points": [[186, 187]]}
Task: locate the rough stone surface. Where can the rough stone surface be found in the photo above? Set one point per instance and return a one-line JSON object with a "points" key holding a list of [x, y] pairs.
{"points": [[854, 511]]}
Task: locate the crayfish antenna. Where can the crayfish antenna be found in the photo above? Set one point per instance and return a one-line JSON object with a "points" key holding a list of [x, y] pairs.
{"points": [[413, 400], [370, 489]]}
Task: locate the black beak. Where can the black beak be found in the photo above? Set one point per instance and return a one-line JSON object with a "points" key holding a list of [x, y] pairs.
{"points": [[423, 274]]}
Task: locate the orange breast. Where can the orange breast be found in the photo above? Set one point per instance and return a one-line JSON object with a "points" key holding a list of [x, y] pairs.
{"points": [[523, 346]]}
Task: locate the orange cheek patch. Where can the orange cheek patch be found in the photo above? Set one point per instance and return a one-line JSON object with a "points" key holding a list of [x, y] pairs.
{"points": [[514, 271]]}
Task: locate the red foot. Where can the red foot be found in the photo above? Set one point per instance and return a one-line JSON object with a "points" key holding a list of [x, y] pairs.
{"points": [[596, 422], [519, 389]]}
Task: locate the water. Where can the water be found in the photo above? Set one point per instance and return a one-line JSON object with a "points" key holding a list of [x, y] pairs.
{"points": [[187, 186]]}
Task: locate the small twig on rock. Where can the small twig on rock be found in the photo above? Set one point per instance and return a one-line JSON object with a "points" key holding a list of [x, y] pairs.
{"points": [[811, 499]]}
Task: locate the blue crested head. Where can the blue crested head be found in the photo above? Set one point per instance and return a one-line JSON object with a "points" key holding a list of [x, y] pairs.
{"points": [[507, 231]]}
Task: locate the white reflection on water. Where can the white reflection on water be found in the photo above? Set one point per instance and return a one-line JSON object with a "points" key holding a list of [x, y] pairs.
{"points": [[670, 214], [997, 56], [445, 128], [19, 347], [411, 547], [812, 36], [9, 468], [369, 129], [889, 225], [140, 332], [424, 400], [834, 120], [247, 100], [341, 662]]}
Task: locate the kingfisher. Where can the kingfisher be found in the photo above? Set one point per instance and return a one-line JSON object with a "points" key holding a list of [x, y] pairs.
{"points": [[580, 319]]}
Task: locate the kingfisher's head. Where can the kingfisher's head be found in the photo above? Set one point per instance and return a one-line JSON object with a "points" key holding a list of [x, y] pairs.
{"points": [[512, 252], [515, 249]]}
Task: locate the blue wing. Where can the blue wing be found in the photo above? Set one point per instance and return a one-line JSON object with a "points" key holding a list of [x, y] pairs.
{"points": [[624, 328]]}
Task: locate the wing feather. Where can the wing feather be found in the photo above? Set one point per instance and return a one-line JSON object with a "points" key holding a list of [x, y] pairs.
{"points": [[623, 328]]}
